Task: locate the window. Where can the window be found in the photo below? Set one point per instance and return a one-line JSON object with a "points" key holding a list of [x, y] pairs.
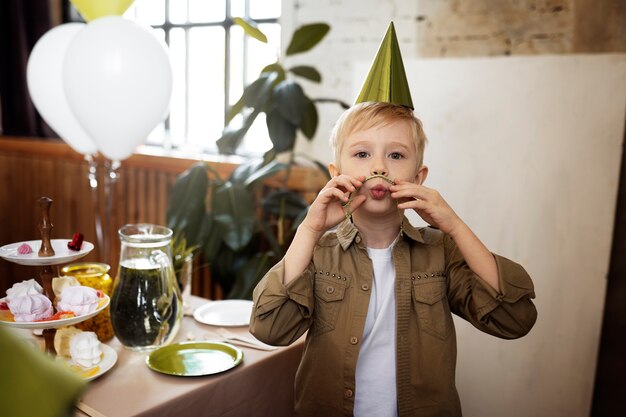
{"points": [[211, 61]]}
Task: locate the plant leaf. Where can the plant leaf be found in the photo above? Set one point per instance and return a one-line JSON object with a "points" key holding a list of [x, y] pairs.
{"points": [[290, 100], [233, 210], [309, 122], [254, 96], [281, 131], [323, 169], [284, 203], [231, 137], [224, 267], [241, 174], [270, 236], [250, 27], [250, 274], [260, 90], [275, 68], [268, 170], [306, 37], [235, 109], [186, 203], [299, 218], [269, 156], [307, 72]]}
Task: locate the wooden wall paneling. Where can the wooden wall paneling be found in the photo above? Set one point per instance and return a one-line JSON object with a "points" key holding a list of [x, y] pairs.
{"points": [[161, 194], [141, 199], [30, 169], [151, 199], [132, 209]]}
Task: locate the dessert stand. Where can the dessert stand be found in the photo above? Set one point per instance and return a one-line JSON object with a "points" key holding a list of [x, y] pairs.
{"points": [[51, 252]]}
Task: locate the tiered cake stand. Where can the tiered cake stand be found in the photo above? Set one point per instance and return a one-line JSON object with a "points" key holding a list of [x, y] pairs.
{"points": [[47, 253]]}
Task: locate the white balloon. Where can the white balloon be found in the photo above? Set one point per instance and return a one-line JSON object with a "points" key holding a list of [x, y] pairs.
{"points": [[118, 81], [44, 75]]}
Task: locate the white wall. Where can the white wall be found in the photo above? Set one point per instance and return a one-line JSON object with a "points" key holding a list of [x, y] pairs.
{"points": [[527, 151]]}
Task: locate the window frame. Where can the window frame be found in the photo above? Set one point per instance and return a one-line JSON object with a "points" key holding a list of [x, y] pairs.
{"points": [[72, 15]]}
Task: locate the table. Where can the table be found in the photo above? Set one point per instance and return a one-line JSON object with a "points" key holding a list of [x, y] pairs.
{"points": [[261, 386]]}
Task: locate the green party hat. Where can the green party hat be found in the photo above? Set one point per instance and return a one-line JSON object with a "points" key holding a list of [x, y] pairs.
{"points": [[386, 81]]}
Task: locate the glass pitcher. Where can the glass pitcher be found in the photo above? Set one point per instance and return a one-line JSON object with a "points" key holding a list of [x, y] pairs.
{"points": [[146, 305]]}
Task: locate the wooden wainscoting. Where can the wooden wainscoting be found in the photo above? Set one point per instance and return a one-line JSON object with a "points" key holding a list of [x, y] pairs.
{"points": [[31, 168]]}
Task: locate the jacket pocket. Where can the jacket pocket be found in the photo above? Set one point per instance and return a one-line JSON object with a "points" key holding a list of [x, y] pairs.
{"points": [[431, 304], [329, 294]]}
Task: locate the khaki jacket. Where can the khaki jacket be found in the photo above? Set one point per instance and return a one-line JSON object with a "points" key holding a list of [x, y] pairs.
{"points": [[331, 297]]}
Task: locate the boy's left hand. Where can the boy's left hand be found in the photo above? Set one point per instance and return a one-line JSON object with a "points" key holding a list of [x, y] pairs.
{"points": [[427, 203]]}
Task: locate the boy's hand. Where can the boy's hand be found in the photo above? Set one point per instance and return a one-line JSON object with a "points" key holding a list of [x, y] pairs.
{"points": [[427, 203], [328, 208]]}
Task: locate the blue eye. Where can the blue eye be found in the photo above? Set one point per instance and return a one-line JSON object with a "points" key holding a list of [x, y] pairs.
{"points": [[396, 155]]}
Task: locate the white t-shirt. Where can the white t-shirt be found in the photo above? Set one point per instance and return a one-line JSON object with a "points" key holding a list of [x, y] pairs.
{"points": [[376, 366]]}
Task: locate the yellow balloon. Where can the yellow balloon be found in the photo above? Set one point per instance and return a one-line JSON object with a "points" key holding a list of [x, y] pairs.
{"points": [[94, 9]]}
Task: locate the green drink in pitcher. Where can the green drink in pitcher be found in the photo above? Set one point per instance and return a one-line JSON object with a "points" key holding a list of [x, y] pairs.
{"points": [[146, 304]]}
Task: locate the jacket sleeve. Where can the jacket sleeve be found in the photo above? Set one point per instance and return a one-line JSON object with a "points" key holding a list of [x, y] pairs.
{"points": [[509, 313], [282, 313]]}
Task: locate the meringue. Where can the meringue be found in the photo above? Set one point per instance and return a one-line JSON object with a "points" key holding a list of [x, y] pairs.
{"points": [[85, 349], [79, 299], [19, 289], [24, 249], [31, 307], [62, 339], [61, 283]]}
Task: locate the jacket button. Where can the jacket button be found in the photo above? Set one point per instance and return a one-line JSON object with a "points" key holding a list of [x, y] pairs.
{"points": [[330, 290], [348, 393], [365, 287], [358, 239], [354, 340]]}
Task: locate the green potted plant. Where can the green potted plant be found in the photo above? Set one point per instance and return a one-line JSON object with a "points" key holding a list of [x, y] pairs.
{"points": [[241, 231]]}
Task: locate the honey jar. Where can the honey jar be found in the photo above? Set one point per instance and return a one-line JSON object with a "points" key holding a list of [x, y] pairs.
{"points": [[94, 275]]}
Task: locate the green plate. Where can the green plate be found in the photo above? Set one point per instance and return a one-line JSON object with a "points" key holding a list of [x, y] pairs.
{"points": [[195, 358]]}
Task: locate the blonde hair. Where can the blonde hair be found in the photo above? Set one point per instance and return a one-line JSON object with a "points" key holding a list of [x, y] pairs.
{"points": [[366, 115]]}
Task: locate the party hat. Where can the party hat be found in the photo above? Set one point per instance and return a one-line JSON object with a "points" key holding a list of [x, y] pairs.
{"points": [[386, 81]]}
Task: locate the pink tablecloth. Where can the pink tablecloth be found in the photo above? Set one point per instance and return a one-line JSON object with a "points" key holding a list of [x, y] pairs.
{"points": [[261, 386]]}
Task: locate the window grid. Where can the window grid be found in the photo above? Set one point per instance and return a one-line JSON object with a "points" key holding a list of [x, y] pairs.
{"points": [[161, 136]]}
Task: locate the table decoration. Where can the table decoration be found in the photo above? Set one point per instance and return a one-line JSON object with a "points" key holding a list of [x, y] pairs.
{"points": [[224, 313], [46, 253], [195, 358], [94, 275], [146, 304]]}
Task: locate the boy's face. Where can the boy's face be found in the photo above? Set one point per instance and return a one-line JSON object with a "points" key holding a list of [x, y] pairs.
{"points": [[387, 150]]}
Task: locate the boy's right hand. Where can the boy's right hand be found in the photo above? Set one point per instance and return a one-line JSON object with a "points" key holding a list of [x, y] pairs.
{"points": [[328, 208], [325, 212]]}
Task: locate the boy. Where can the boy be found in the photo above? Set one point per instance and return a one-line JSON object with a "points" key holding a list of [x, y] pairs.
{"points": [[376, 294]]}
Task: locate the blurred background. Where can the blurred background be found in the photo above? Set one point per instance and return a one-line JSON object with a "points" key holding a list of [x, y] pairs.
{"points": [[524, 104]]}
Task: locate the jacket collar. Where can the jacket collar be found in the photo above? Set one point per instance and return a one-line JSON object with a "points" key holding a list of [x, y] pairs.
{"points": [[348, 233]]}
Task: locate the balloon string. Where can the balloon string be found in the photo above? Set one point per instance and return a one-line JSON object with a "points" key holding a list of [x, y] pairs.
{"points": [[110, 178], [92, 176]]}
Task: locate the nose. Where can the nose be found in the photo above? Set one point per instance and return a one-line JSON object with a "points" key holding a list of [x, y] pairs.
{"points": [[378, 171]]}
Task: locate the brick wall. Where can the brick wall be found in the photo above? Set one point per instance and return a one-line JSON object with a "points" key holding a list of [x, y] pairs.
{"points": [[444, 28]]}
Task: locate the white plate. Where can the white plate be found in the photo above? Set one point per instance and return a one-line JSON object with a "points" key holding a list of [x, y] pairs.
{"points": [[224, 313], [109, 358], [53, 324], [62, 254]]}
